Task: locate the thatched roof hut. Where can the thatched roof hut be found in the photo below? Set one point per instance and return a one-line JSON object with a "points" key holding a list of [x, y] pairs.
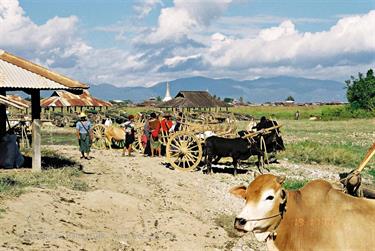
{"points": [[193, 99]]}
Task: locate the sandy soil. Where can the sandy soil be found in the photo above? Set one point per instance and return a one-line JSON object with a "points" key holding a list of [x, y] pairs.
{"points": [[135, 203]]}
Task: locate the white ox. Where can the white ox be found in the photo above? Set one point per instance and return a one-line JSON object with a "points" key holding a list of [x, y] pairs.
{"points": [[316, 217]]}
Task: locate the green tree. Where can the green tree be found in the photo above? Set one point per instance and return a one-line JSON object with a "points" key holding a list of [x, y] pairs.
{"points": [[361, 91], [158, 98], [289, 98]]}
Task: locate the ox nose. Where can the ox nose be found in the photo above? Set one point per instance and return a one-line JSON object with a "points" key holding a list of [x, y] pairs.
{"points": [[239, 223]]}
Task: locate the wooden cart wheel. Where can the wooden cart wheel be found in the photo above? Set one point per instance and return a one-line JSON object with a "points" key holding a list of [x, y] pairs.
{"points": [[99, 139], [137, 145], [184, 151]]}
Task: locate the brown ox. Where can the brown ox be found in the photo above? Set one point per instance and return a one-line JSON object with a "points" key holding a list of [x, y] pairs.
{"points": [[316, 217], [115, 133]]}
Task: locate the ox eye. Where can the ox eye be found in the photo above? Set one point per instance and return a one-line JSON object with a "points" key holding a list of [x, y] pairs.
{"points": [[270, 197]]}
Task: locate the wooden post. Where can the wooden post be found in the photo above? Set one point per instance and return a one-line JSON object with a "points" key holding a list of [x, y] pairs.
{"points": [[35, 116], [3, 115]]}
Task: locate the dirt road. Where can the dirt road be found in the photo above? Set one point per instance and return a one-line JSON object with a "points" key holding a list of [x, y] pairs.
{"points": [[134, 203]]}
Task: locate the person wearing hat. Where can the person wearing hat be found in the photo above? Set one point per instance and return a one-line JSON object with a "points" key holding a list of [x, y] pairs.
{"points": [[84, 135], [129, 135]]}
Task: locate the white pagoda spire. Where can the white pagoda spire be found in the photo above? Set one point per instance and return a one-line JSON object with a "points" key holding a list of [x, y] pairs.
{"points": [[167, 94]]}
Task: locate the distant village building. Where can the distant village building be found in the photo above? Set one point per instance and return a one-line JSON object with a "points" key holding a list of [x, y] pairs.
{"points": [[194, 100], [167, 94], [72, 102], [150, 102]]}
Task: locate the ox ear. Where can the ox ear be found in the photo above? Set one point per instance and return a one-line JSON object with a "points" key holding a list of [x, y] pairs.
{"points": [[239, 191], [283, 195], [280, 179]]}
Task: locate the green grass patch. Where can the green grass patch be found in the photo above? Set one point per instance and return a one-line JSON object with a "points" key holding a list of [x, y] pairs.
{"points": [[59, 138], [57, 171], [294, 184], [371, 172], [14, 184], [316, 153], [325, 112]]}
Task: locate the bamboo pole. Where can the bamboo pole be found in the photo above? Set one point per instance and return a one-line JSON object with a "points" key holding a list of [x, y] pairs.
{"points": [[36, 144], [370, 153], [250, 135]]}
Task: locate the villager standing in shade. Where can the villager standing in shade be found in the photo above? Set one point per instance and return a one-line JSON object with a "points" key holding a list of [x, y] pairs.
{"points": [[129, 135], [84, 135]]}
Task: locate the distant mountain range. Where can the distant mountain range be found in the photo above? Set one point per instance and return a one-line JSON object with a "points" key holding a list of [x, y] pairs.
{"points": [[256, 91]]}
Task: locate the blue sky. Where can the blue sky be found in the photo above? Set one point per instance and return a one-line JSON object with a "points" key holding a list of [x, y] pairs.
{"points": [[129, 43]]}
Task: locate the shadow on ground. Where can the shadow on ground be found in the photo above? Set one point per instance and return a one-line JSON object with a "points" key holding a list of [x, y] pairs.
{"points": [[53, 162]]}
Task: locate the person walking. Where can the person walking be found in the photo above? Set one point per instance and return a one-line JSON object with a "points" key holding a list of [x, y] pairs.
{"points": [[84, 135], [297, 115], [129, 135]]}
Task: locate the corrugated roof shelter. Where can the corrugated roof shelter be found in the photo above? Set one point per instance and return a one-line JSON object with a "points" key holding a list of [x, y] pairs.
{"points": [[66, 99], [193, 99], [18, 74]]}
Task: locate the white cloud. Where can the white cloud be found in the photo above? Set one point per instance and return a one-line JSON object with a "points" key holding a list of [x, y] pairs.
{"points": [[185, 17], [56, 37], [286, 45], [179, 59]]}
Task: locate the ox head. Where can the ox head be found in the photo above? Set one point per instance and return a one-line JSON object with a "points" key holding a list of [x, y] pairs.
{"points": [[265, 204], [279, 143]]}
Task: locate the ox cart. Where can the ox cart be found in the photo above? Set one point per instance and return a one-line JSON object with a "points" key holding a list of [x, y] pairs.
{"points": [[184, 148], [106, 136]]}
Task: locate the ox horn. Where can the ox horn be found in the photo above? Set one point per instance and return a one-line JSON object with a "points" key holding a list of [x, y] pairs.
{"points": [[280, 179]]}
